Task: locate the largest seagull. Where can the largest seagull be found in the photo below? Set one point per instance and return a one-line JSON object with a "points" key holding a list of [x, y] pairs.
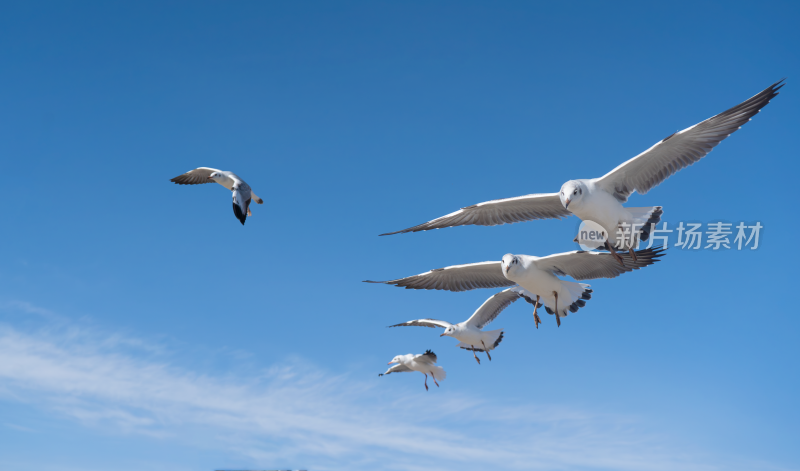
{"points": [[600, 199]]}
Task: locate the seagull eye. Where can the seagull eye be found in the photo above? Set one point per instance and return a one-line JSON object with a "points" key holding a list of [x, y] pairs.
{"points": [[575, 192]]}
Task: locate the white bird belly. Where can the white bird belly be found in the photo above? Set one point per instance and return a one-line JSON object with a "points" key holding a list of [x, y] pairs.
{"points": [[421, 367], [470, 337], [544, 284], [605, 210], [541, 283]]}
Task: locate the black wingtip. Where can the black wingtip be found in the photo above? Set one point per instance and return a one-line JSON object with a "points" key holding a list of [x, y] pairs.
{"points": [[237, 211], [370, 281], [773, 89]]}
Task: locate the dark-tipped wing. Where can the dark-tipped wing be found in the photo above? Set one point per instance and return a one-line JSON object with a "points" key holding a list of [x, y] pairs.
{"points": [[456, 278], [681, 149], [197, 176], [424, 323], [583, 265], [427, 357], [496, 212], [241, 201], [492, 307]]}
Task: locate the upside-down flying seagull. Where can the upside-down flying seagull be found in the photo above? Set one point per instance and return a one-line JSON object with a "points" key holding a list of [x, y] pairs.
{"points": [[424, 363], [537, 275], [600, 199], [242, 194], [470, 332]]}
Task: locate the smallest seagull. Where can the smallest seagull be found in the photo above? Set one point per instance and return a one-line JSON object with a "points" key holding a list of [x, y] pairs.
{"points": [[470, 333], [424, 363], [242, 194]]}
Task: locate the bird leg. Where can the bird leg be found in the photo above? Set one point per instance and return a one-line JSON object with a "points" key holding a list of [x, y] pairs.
{"points": [[434, 380], [633, 253], [558, 316], [476, 356], [486, 350], [426, 381], [536, 319], [615, 254]]}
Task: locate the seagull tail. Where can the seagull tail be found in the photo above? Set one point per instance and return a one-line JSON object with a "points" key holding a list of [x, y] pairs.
{"points": [[438, 373], [576, 293], [647, 217]]}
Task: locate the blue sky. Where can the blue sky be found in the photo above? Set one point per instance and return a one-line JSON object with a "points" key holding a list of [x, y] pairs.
{"points": [[141, 326]]}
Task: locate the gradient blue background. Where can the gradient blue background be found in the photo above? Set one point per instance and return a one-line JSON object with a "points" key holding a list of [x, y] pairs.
{"points": [[352, 119]]}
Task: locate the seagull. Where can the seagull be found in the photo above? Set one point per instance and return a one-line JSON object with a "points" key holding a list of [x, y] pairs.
{"points": [[600, 199], [537, 275], [242, 194], [424, 363], [469, 332]]}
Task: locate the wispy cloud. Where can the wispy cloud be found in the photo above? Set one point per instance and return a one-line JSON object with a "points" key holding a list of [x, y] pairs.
{"points": [[300, 413]]}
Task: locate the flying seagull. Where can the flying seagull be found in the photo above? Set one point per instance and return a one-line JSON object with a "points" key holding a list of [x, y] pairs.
{"points": [[242, 194], [600, 199], [470, 332], [537, 275], [424, 363]]}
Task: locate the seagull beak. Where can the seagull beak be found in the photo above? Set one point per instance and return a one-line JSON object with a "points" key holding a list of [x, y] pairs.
{"points": [[390, 363], [441, 335], [566, 204]]}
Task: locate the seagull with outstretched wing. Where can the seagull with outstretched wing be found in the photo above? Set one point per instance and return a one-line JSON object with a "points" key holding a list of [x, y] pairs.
{"points": [[425, 363], [470, 332], [242, 194], [600, 199], [538, 276]]}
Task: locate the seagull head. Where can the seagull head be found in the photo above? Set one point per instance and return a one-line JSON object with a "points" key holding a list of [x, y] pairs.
{"points": [[449, 331], [571, 192], [214, 176], [510, 264], [395, 360]]}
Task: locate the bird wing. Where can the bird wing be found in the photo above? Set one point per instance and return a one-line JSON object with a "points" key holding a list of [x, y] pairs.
{"points": [[433, 323], [241, 201], [456, 278], [428, 357], [492, 307], [679, 150], [583, 265], [197, 176], [496, 212], [398, 368]]}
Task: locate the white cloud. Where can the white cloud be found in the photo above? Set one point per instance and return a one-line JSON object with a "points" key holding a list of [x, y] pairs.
{"points": [[300, 413]]}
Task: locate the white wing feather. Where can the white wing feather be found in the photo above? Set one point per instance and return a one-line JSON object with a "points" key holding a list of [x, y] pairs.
{"points": [[681, 149]]}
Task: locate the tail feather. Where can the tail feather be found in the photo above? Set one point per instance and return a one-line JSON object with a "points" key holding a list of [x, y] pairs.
{"points": [[647, 217], [579, 293], [438, 373]]}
